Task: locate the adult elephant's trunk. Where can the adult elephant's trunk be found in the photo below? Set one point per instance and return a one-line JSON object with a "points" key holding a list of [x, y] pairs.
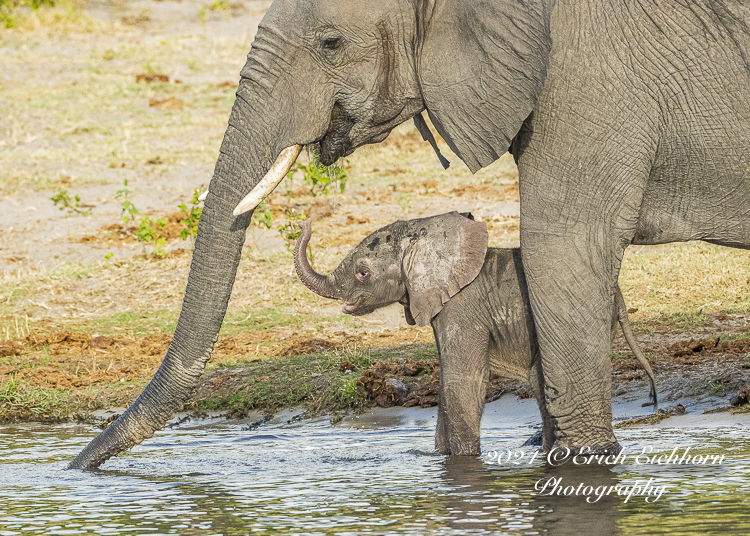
{"points": [[323, 285], [251, 144]]}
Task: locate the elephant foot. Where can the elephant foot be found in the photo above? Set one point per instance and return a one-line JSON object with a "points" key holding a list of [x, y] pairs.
{"points": [[442, 448], [465, 448], [537, 440]]}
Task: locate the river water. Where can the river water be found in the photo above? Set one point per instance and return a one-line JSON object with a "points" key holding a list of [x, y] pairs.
{"points": [[374, 473]]}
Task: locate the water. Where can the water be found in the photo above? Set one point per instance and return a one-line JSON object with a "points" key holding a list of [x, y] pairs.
{"points": [[371, 474]]}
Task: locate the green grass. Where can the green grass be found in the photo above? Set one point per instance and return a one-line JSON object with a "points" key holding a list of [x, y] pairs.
{"points": [[679, 284], [22, 402], [164, 320], [20, 289], [104, 116], [729, 338], [282, 383], [245, 321], [313, 381], [135, 324]]}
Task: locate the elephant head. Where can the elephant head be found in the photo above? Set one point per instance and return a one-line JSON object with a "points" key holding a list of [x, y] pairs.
{"points": [[419, 263], [338, 74]]}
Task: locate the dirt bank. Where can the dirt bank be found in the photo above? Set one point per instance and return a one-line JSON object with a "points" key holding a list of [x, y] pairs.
{"points": [[68, 375]]}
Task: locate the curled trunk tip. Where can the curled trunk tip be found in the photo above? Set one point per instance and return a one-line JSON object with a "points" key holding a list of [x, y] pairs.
{"points": [[320, 284]]}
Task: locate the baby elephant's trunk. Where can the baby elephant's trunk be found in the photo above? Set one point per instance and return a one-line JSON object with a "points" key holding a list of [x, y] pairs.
{"points": [[320, 284]]}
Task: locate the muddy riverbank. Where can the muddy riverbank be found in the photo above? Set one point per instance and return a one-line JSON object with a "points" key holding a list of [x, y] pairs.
{"points": [[74, 376]]}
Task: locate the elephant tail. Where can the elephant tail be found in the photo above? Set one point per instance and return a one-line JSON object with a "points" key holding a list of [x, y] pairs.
{"points": [[622, 316]]}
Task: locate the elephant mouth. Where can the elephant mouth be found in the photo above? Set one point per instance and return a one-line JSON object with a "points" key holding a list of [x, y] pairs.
{"points": [[351, 308], [335, 143], [355, 308]]}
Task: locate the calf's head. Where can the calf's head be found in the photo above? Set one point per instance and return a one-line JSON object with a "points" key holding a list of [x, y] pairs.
{"points": [[419, 263]]}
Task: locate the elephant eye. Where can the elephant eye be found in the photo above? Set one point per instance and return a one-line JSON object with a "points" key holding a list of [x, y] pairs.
{"points": [[331, 43], [362, 274]]}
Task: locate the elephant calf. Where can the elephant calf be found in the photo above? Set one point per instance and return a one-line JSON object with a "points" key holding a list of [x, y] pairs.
{"points": [[441, 270]]}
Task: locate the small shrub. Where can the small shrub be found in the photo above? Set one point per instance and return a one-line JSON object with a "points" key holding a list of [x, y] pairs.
{"points": [[263, 215], [128, 208], [72, 204], [193, 219], [320, 178], [291, 231], [147, 228], [147, 232], [403, 201]]}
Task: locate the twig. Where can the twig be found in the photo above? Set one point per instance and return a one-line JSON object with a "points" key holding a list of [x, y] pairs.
{"points": [[39, 305], [379, 322], [241, 321]]}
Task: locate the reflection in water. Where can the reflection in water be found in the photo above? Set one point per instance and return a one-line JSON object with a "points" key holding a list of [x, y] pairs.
{"points": [[216, 478], [574, 514], [491, 499]]}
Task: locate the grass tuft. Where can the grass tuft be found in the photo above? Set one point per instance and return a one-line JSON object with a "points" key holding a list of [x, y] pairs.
{"points": [[21, 402]]}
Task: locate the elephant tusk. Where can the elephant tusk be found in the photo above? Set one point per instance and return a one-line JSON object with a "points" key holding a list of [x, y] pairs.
{"points": [[274, 176], [203, 196]]}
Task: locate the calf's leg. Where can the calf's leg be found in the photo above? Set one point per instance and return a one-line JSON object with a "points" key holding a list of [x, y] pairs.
{"points": [[463, 371]]}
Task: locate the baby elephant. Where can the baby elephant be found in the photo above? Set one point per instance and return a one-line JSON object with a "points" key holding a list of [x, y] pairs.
{"points": [[442, 272]]}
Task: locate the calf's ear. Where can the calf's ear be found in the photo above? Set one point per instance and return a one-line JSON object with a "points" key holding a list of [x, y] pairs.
{"points": [[442, 255]]}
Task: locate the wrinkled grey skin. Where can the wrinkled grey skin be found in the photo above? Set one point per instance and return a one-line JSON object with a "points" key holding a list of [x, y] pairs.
{"points": [[629, 121], [486, 325]]}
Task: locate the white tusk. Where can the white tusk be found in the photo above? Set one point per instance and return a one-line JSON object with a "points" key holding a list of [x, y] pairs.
{"points": [[203, 196], [278, 171]]}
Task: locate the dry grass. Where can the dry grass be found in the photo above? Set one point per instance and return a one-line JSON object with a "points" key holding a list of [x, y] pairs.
{"points": [[685, 279], [65, 17], [71, 117]]}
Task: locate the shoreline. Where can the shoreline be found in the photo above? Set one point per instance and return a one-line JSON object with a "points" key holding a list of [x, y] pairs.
{"points": [[338, 382]]}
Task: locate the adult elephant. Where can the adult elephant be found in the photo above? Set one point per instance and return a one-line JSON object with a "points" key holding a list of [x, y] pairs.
{"points": [[629, 121]]}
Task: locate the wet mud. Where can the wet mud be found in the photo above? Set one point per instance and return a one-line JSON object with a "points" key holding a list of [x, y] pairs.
{"points": [[417, 383]]}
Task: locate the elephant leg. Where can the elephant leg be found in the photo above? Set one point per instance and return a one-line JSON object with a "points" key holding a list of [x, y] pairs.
{"points": [[572, 313], [463, 371], [536, 379], [580, 207], [441, 432], [573, 238]]}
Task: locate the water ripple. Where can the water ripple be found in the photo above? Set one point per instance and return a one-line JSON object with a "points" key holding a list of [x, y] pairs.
{"points": [[307, 477]]}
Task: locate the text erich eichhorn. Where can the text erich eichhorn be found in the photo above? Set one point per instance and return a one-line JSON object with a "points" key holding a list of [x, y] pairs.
{"points": [[560, 456]]}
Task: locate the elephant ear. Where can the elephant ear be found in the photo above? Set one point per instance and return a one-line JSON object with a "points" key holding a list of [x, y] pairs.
{"points": [[442, 255], [409, 318], [481, 67]]}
